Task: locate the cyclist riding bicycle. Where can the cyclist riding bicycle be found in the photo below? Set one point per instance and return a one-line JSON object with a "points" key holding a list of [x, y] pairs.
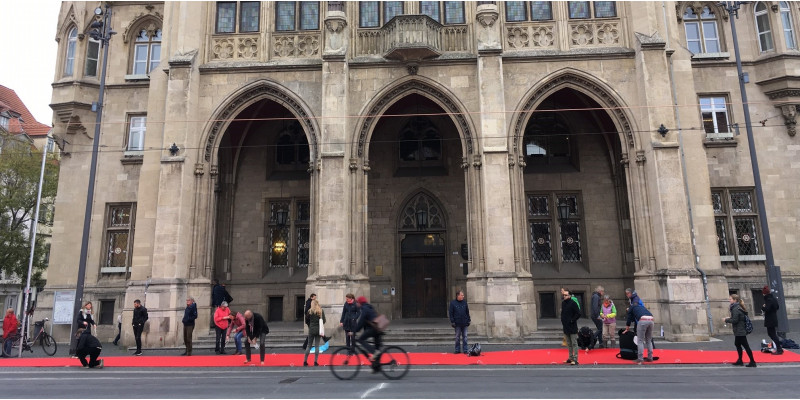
{"points": [[368, 315]]}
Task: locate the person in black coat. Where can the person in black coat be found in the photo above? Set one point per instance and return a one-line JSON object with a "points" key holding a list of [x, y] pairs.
{"points": [[217, 297], [597, 307], [460, 320], [305, 314], [737, 321], [349, 319], [139, 318], [256, 329], [569, 320], [771, 308], [88, 345], [85, 319], [189, 315]]}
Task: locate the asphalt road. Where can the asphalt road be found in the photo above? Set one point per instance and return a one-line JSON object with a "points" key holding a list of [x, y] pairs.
{"points": [[649, 381]]}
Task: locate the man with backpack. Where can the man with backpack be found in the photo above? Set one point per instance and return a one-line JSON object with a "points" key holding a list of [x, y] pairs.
{"points": [[368, 315], [644, 330]]}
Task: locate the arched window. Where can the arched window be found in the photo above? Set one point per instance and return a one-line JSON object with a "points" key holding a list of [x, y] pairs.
{"points": [[69, 60], [146, 51], [788, 28], [763, 27], [701, 31]]}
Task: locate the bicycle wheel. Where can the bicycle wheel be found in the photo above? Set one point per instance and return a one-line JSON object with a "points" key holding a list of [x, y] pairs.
{"points": [[49, 344], [13, 348], [345, 363], [394, 362]]}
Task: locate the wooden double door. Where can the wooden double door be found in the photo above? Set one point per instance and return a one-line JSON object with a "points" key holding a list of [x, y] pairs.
{"points": [[424, 278]]}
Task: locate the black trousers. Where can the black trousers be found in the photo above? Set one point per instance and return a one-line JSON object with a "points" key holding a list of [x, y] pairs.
{"points": [[368, 333], [119, 333], [773, 334], [261, 347], [93, 353], [219, 344], [137, 334], [741, 342], [599, 333]]}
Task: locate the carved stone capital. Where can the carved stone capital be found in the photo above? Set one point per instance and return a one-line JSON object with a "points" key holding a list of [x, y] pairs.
{"points": [[353, 164], [522, 163], [476, 161], [625, 160], [464, 163], [488, 30], [511, 161], [213, 171], [199, 169], [640, 157]]}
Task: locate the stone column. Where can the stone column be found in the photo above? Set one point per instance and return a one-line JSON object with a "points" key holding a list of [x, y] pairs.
{"points": [[508, 311]]}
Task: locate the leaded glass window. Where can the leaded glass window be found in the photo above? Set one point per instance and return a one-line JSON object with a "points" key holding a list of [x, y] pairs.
{"points": [[309, 15], [763, 27], [541, 249], [284, 15], [579, 9], [369, 14], [249, 21], [735, 212], [722, 237], [542, 217], [289, 241], [249, 13], [431, 9], [119, 237], [788, 27], [303, 233], [278, 235], [515, 11], [226, 17], [420, 143], [541, 10], [454, 12], [605, 9], [570, 230], [391, 9], [421, 203]]}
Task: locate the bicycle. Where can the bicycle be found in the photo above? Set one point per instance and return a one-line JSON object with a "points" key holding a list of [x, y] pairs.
{"points": [[392, 361], [49, 344]]}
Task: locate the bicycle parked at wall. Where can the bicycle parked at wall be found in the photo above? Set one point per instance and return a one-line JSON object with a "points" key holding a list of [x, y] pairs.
{"points": [[49, 344], [392, 361]]}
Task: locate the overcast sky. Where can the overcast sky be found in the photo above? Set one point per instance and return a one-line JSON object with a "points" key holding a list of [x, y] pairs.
{"points": [[27, 63]]}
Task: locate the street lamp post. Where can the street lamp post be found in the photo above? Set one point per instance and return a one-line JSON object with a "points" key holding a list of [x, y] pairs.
{"points": [[101, 32], [773, 271]]}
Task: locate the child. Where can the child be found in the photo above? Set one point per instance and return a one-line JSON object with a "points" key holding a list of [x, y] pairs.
{"points": [[609, 315]]}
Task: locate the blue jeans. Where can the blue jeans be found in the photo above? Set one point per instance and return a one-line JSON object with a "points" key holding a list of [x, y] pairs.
{"points": [[238, 339], [461, 336]]}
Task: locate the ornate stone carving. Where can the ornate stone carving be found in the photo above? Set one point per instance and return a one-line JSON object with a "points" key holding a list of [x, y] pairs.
{"points": [[222, 49], [199, 169], [464, 163], [789, 112], [608, 34], [511, 161], [134, 27], [413, 68], [522, 163], [476, 161], [401, 91], [517, 37], [295, 46], [488, 32], [336, 39], [640, 157], [582, 34], [625, 160], [697, 8], [247, 48], [605, 98], [265, 90], [543, 36], [784, 93], [353, 164], [213, 171]]}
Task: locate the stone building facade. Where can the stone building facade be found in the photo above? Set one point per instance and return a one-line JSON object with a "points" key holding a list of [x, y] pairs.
{"points": [[404, 150]]}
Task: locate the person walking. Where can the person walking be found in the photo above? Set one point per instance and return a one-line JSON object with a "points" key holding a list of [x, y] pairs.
{"points": [[10, 325], [139, 318], [737, 318], [608, 314], [770, 308], [256, 330], [222, 319], [88, 345], [316, 317], [460, 320], [236, 327], [189, 315], [569, 321], [85, 319], [349, 319], [119, 329], [305, 314], [597, 305], [644, 330]]}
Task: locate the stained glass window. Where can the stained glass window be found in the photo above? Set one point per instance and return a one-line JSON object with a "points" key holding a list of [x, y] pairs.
{"points": [[391, 9], [579, 9], [284, 16], [453, 12], [226, 17], [541, 11], [431, 9], [515, 11], [368, 14], [309, 15], [605, 9], [250, 16]]}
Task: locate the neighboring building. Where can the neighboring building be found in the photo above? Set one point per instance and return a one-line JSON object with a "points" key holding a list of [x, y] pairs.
{"points": [[19, 131], [377, 147]]}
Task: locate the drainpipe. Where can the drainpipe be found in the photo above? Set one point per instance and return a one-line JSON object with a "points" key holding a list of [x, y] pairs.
{"points": [[685, 175]]}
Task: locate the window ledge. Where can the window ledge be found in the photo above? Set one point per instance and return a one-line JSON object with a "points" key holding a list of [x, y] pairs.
{"points": [[114, 270], [720, 141], [755, 257], [140, 77], [711, 56]]}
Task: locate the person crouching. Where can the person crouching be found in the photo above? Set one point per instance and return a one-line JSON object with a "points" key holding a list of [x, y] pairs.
{"points": [[88, 345]]}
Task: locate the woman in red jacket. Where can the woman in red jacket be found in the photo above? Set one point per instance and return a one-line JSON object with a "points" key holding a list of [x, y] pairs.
{"points": [[10, 325]]}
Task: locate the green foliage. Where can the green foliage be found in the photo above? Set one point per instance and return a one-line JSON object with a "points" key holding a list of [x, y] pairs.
{"points": [[19, 184]]}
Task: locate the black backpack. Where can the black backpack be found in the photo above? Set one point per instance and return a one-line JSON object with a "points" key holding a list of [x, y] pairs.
{"points": [[586, 338], [474, 350], [628, 350]]}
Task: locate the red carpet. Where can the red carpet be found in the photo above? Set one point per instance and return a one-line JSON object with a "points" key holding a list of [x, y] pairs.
{"points": [[517, 357]]}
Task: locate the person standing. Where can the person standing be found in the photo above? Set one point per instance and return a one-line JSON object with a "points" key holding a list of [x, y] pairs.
{"points": [[305, 314], [10, 325], [771, 308], [85, 319], [237, 328], [460, 320], [88, 345], [737, 318], [119, 329], [139, 318], [597, 305], [644, 330], [189, 315], [222, 318], [217, 297], [349, 319], [316, 317], [569, 321], [608, 314], [256, 330]]}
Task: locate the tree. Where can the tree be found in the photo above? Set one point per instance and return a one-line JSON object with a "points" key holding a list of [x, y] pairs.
{"points": [[20, 165]]}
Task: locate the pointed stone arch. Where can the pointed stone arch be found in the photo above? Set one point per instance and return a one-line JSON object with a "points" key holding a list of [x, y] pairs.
{"points": [[421, 199], [147, 21], [68, 23], [426, 88], [244, 97], [583, 83]]}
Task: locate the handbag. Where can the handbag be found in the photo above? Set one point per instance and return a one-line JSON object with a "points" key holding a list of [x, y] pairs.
{"points": [[321, 328]]}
